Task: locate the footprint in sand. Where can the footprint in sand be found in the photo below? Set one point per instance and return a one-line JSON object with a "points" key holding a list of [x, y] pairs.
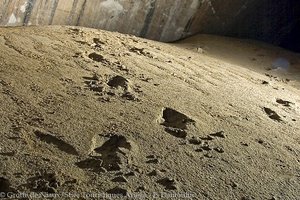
{"points": [[45, 182], [284, 103], [195, 140], [168, 183], [219, 149], [97, 44], [56, 142], [176, 123], [152, 159], [116, 153], [98, 41], [219, 134], [272, 114], [93, 83], [75, 30], [263, 143], [121, 86], [98, 58], [120, 179], [206, 147], [118, 191], [116, 86], [118, 82]]}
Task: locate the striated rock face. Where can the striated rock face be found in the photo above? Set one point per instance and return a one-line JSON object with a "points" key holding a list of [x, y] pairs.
{"points": [[267, 20], [155, 19]]}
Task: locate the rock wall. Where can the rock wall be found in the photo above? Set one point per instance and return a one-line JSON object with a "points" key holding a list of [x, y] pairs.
{"points": [[164, 20], [156, 19]]}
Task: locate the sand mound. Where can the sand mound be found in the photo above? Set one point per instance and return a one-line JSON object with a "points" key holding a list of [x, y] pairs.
{"points": [[85, 110]]}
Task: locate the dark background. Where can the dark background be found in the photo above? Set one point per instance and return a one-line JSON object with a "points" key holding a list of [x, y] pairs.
{"points": [[272, 21]]}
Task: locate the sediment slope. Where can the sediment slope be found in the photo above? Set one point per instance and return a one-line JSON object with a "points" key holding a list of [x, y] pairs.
{"points": [[85, 110]]}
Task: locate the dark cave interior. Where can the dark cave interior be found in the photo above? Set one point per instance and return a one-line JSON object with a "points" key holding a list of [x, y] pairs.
{"points": [[276, 22]]}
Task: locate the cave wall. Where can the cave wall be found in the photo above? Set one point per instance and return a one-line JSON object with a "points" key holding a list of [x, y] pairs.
{"points": [[155, 19], [273, 21]]}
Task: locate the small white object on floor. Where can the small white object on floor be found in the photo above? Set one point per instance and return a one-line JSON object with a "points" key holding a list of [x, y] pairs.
{"points": [[281, 64]]}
